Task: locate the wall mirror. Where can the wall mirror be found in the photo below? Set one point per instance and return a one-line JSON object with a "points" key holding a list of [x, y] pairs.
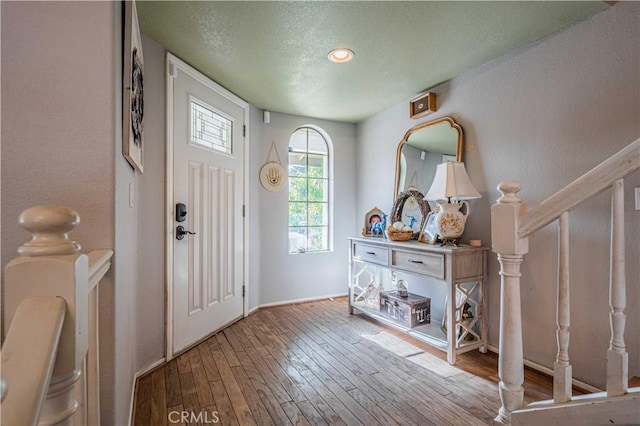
{"points": [[424, 147]]}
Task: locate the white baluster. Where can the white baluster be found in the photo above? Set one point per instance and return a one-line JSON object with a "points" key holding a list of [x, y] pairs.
{"points": [[51, 265], [505, 218], [562, 368], [617, 357]]}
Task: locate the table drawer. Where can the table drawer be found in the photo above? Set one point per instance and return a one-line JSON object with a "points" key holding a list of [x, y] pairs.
{"points": [[420, 263], [371, 253]]}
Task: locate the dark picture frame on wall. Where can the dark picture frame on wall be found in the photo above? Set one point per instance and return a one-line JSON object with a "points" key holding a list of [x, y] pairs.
{"points": [[422, 105], [133, 90]]}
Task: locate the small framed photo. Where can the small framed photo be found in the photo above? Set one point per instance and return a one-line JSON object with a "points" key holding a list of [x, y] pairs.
{"points": [[422, 105], [430, 233], [374, 223]]}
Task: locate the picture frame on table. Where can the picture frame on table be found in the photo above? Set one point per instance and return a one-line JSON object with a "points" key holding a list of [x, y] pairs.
{"points": [[133, 90], [371, 218], [429, 234]]}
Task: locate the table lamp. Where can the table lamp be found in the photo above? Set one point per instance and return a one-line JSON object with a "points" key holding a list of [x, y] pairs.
{"points": [[451, 182]]}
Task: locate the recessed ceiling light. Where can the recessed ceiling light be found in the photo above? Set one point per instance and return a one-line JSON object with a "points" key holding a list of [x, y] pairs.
{"points": [[340, 55]]}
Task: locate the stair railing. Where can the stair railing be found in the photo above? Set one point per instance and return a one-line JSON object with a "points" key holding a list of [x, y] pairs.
{"points": [[28, 356], [52, 278], [511, 225]]}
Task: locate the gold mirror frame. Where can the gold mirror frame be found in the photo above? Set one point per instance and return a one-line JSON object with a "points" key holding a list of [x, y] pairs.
{"points": [[421, 127]]}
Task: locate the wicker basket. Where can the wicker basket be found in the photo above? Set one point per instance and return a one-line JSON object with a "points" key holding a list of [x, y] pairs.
{"points": [[399, 235]]}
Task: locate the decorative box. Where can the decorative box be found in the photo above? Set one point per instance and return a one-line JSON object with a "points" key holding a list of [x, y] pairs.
{"points": [[409, 311]]}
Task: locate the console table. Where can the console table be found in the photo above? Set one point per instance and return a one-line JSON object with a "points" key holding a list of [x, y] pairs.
{"points": [[375, 262]]}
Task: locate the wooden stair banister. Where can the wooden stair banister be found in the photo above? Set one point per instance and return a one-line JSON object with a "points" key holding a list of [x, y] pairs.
{"points": [[511, 225], [28, 356], [51, 266], [586, 186]]}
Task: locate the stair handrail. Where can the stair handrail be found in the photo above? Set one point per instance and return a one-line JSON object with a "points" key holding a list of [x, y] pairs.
{"points": [[28, 357], [589, 184]]}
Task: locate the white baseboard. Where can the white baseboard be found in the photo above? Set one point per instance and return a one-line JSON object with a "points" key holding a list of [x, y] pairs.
{"points": [[548, 371], [133, 399], [291, 302]]}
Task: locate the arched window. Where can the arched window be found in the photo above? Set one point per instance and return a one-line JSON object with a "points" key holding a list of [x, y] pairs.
{"points": [[310, 191]]}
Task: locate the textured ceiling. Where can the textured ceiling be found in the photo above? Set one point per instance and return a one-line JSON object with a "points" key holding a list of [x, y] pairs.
{"points": [[274, 54]]}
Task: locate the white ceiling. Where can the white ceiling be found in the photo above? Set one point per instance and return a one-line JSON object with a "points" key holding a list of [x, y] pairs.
{"points": [[274, 54]]}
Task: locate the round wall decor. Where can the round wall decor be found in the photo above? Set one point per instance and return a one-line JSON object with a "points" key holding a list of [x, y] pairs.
{"points": [[272, 176]]}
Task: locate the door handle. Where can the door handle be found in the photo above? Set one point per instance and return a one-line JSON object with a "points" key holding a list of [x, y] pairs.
{"points": [[181, 232]]}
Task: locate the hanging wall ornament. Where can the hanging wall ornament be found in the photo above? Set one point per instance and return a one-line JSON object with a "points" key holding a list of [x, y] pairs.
{"points": [[272, 174]]}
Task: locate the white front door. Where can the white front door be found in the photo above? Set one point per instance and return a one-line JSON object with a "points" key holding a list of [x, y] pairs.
{"points": [[207, 177]]}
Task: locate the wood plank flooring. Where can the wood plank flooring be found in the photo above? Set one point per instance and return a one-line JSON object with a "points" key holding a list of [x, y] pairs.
{"points": [[314, 364]]}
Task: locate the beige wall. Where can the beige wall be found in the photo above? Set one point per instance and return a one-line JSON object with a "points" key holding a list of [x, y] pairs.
{"points": [[542, 115], [61, 144]]}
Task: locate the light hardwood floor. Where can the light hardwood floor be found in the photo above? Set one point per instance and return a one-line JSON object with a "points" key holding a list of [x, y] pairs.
{"points": [[313, 363]]}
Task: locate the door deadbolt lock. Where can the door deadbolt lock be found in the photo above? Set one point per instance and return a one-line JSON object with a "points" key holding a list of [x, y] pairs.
{"points": [[181, 232], [181, 212]]}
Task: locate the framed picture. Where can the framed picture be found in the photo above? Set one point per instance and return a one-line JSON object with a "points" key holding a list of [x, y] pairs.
{"points": [[133, 93], [374, 223], [422, 105], [430, 233]]}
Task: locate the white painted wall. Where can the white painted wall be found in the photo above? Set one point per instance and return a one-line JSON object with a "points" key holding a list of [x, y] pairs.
{"points": [[150, 202], [254, 253], [284, 276], [542, 115]]}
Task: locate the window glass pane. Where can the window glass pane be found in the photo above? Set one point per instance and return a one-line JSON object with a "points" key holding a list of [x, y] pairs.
{"points": [[297, 189], [298, 141], [308, 207], [318, 165], [318, 238], [318, 214], [318, 189], [298, 214], [297, 164], [297, 239], [317, 144], [210, 129]]}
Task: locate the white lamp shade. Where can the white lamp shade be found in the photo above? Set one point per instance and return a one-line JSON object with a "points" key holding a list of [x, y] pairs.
{"points": [[451, 182]]}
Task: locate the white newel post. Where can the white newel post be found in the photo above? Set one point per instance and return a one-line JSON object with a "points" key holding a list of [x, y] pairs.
{"points": [[505, 218], [52, 265]]}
